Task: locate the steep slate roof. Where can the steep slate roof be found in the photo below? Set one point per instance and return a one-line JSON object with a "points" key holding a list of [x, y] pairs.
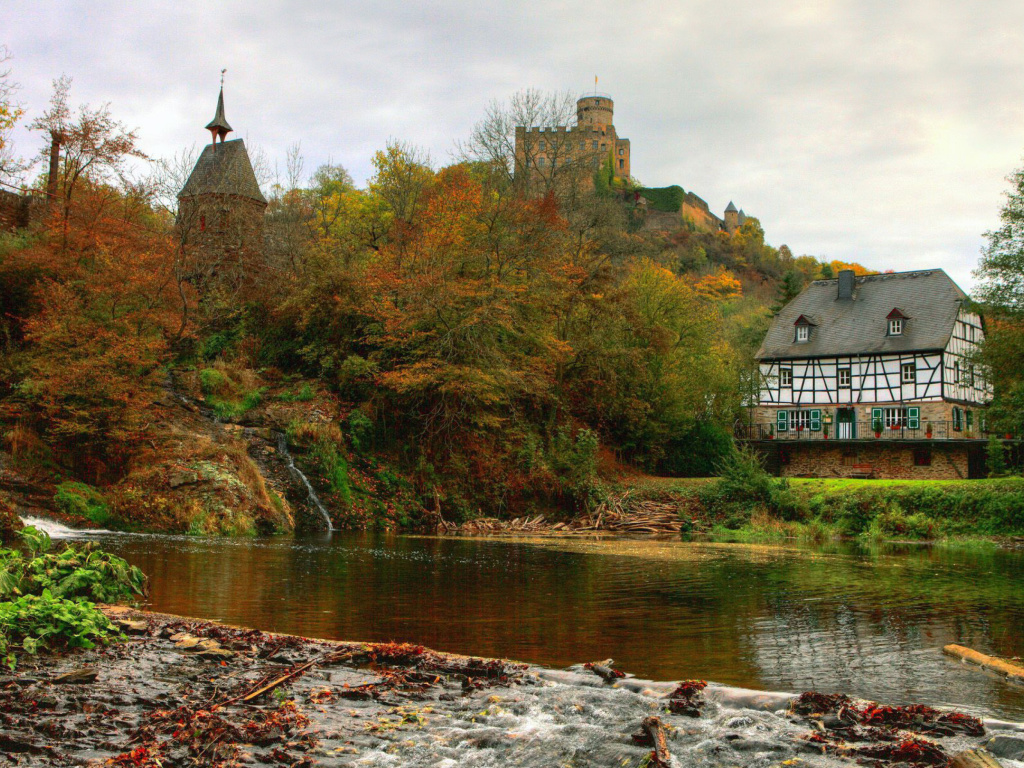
{"points": [[929, 299], [224, 170], [730, 207]]}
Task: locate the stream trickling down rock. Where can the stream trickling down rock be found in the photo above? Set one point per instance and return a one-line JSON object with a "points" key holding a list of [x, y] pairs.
{"points": [[297, 475], [870, 622]]}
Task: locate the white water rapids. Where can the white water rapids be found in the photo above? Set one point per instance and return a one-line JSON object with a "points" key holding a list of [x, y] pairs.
{"points": [[57, 530]]}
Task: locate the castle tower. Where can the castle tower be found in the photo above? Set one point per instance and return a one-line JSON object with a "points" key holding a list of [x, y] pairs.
{"points": [[220, 208], [595, 112], [732, 218], [580, 151]]}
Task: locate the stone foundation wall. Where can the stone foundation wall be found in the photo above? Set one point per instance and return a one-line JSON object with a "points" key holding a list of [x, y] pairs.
{"points": [[948, 462]]}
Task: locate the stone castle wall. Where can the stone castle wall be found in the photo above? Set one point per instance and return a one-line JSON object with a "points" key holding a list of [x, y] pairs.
{"points": [[18, 211]]}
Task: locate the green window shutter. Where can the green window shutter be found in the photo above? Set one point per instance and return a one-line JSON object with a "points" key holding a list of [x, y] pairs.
{"points": [[914, 418], [815, 420], [782, 422], [970, 419], [876, 414]]}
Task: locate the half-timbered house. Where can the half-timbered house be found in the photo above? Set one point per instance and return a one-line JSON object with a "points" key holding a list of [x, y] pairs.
{"points": [[872, 376]]}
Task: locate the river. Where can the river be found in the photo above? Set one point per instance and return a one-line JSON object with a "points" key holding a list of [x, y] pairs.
{"points": [[869, 621]]}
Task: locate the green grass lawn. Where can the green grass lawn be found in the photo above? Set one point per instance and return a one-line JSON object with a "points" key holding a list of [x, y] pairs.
{"points": [[831, 484]]}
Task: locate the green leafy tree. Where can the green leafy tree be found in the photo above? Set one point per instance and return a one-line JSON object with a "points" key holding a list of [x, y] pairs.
{"points": [[1001, 288]]}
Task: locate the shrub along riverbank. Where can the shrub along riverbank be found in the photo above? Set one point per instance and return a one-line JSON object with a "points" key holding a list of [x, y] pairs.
{"points": [[47, 594], [748, 504]]}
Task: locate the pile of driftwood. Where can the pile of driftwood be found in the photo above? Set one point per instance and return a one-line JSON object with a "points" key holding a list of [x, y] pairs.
{"points": [[617, 514], [621, 515], [493, 525]]}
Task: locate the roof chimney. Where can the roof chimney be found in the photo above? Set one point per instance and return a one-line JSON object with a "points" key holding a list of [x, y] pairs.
{"points": [[845, 284]]}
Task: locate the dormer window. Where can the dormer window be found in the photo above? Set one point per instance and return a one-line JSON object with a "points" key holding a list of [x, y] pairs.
{"points": [[803, 326], [896, 321]]}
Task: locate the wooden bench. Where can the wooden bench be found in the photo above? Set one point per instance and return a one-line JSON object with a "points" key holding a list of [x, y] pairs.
{"points": [[863, 472]]}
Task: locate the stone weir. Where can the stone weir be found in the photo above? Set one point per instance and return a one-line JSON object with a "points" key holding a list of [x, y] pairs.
{"points": [[182, 691]]}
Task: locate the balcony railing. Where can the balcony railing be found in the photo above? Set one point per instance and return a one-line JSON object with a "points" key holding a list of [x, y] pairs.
{"points": [[862, 430]]}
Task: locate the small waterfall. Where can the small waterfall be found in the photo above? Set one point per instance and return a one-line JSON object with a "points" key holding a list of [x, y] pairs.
{"points": [[282, 448], [56, 530]]}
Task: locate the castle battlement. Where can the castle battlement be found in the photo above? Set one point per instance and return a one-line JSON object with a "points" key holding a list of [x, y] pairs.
{"points": [[540, 150]]}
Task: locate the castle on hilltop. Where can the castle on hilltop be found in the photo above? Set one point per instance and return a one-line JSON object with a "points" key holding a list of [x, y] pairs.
{"points": [[545, 155], [541, 151]]}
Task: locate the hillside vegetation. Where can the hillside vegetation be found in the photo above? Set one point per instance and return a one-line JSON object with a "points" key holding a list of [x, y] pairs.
{"points": [[438, 343]]}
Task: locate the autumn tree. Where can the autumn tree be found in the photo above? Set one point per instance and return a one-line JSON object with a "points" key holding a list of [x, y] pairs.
{"points": [[93, 145], [10, 113], [494, 143]]}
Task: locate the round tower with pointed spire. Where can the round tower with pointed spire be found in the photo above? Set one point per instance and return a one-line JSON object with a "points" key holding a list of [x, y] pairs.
{"points": [[221, 207]]}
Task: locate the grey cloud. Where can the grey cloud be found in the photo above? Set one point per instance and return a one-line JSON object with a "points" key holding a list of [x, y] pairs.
{"points": [[871, 130]]}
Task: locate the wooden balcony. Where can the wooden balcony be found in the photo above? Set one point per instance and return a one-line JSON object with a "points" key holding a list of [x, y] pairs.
{"points": [[862, 431]]}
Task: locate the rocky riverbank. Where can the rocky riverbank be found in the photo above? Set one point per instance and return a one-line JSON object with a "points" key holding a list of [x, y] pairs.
{"points": [[183, 692]]}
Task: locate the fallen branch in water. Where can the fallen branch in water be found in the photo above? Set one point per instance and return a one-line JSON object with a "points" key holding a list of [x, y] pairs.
{"points": [[603, 669], [1012, 672], [654, 735]]}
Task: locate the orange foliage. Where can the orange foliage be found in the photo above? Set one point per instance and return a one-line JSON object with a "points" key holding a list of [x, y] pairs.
{"points": [[108, 304], [720, 286]]}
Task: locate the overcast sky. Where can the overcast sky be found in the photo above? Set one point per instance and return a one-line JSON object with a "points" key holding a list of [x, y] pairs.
{"points": [[878, 131]]}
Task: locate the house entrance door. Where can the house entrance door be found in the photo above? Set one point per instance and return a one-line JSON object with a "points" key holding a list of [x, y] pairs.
{"points": [[846, 428]]}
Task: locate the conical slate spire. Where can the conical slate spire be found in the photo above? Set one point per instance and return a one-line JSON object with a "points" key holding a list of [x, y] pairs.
{"points": [[728, 209], [219, 126]]}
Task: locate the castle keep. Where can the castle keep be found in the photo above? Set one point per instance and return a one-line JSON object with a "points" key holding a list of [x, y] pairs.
{"points": [[545, 155], [541, 151]]}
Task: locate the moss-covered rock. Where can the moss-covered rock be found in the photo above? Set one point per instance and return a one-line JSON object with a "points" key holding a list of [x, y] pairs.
{"points": [[217, 490]]}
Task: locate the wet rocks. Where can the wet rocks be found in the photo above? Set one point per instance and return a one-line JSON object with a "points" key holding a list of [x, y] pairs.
{"points": [[1008, 747], [82, 676], [396, 704], [205, 648], [132, 626]]}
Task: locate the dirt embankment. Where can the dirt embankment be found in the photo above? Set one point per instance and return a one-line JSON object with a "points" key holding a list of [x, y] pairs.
{"points": [[182, 692]]}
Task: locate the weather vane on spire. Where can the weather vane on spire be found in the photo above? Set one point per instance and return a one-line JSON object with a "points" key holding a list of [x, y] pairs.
{"points": [[222, 76]]}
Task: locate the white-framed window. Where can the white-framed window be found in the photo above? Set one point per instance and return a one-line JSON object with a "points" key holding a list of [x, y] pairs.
{"points": [[621, 151], [785, 377], [799, 420], [845, 378], [895, 417], [803, 332], [896, 326], [908, 373], [956, 371]]}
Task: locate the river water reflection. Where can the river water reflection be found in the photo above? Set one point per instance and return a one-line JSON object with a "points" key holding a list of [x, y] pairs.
{"points": [[870, 622]]}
